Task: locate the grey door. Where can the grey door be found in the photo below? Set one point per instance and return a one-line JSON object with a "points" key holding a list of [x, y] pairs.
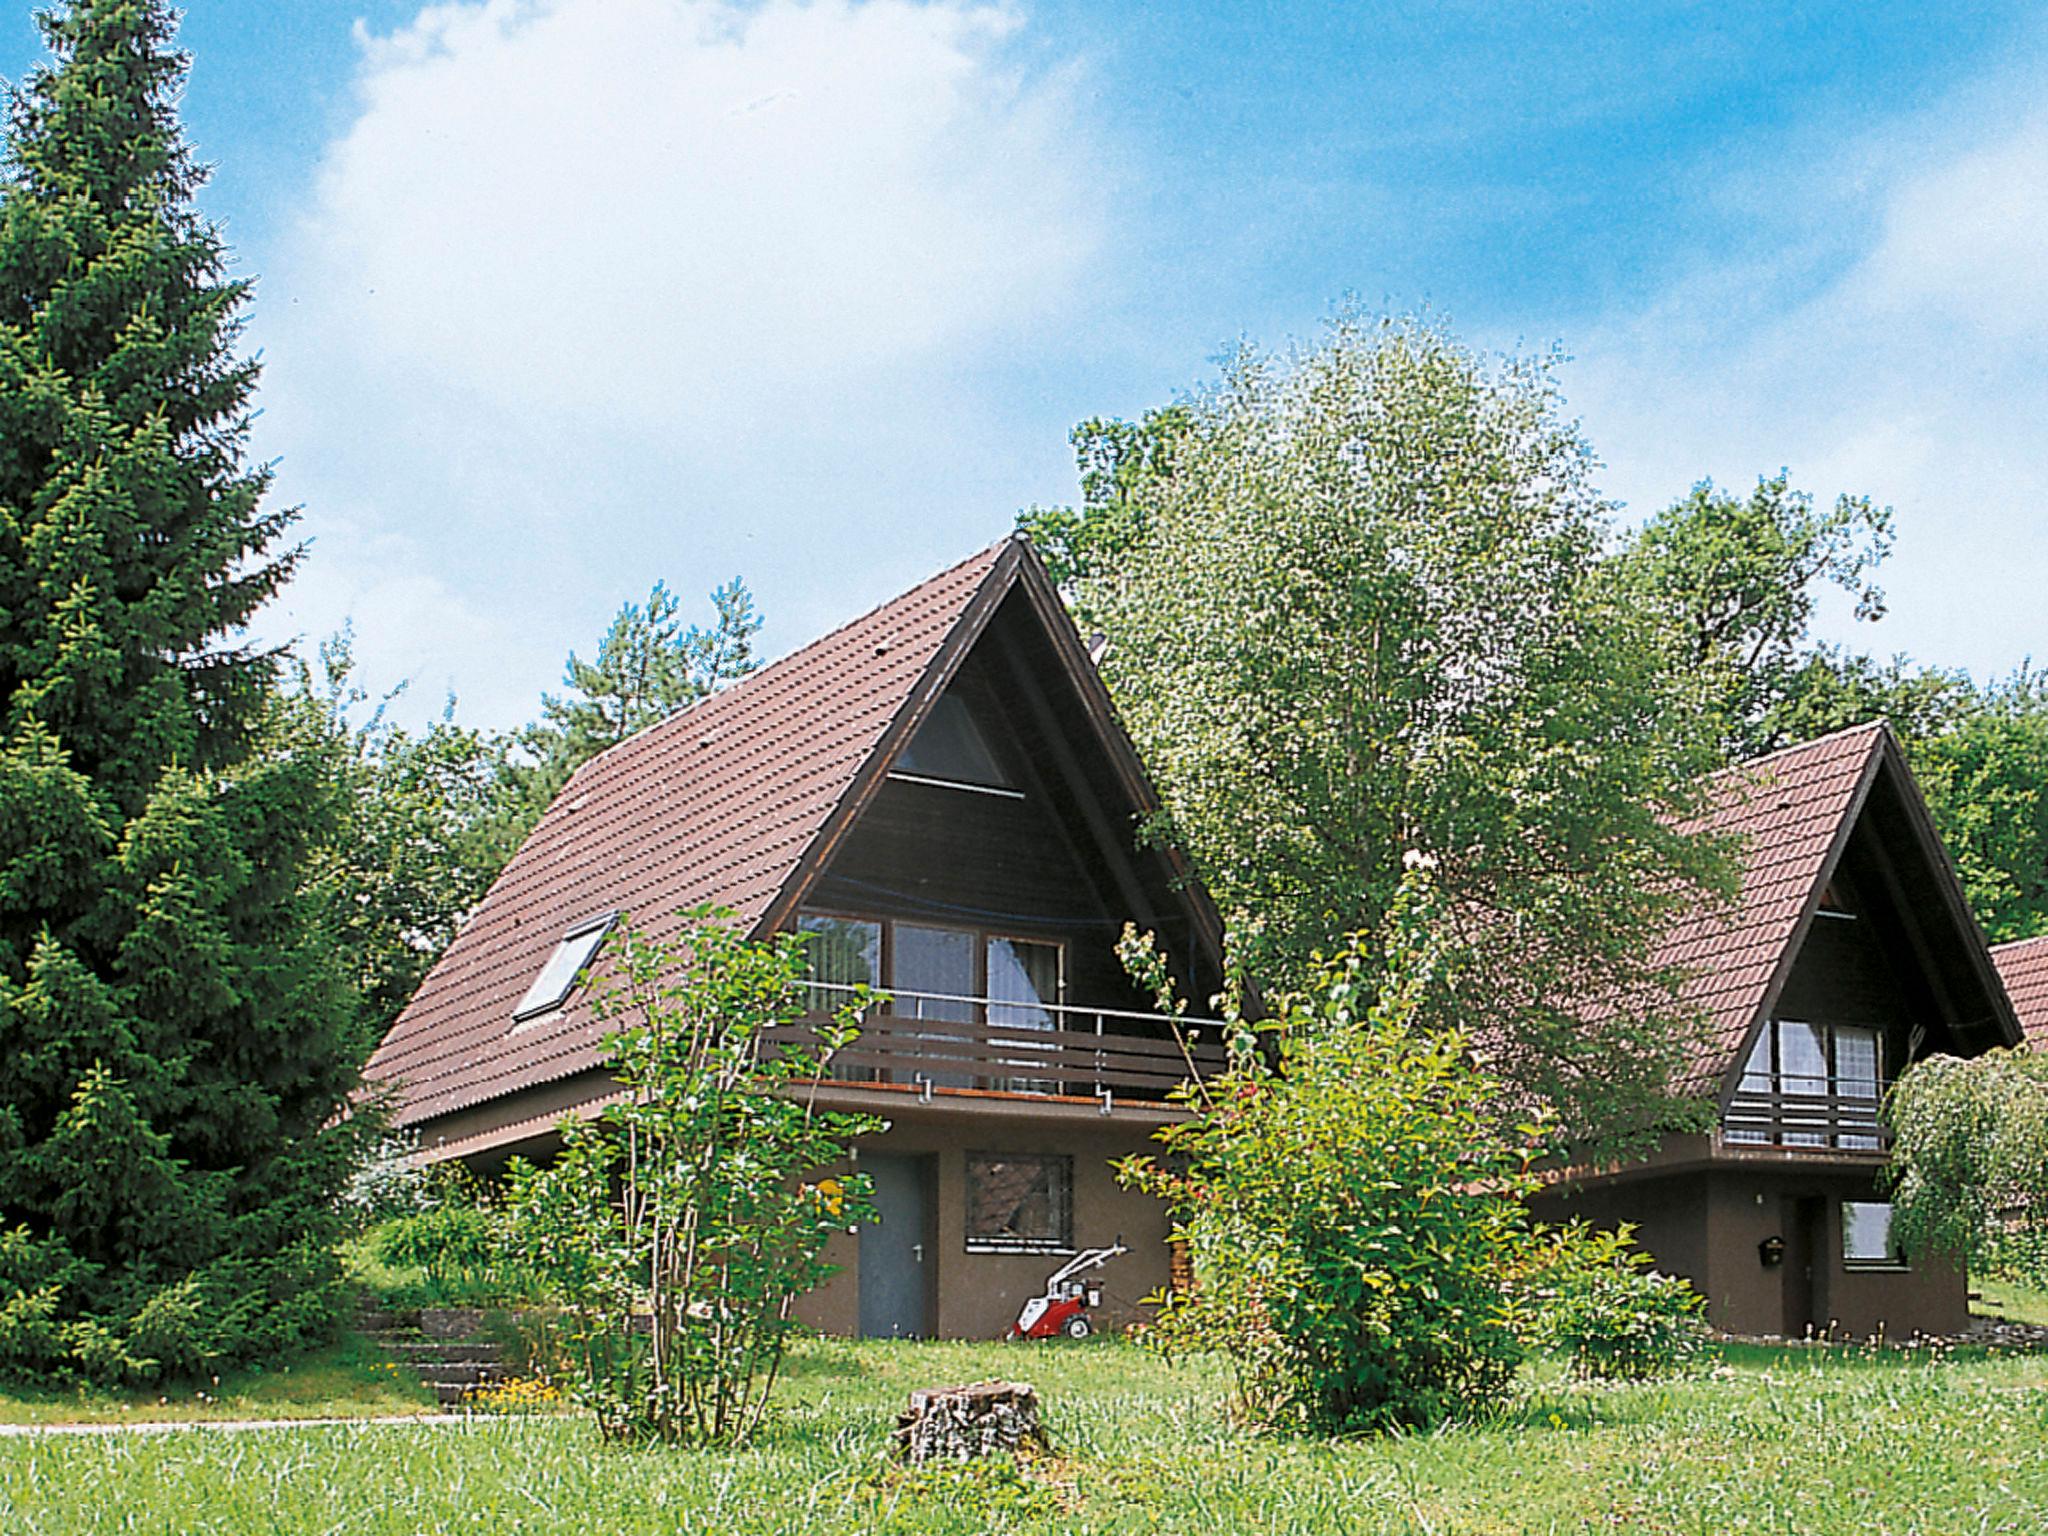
{"points": [[893, 1252]]}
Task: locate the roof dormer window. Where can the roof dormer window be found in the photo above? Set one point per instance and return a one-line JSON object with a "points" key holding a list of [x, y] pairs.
{"points": [[557, 979]]}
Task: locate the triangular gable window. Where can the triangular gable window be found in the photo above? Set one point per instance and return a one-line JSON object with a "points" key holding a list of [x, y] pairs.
{"points": [[949, 748], [557, 979]]}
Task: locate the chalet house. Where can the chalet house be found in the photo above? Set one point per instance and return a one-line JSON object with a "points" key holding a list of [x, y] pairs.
{"points": [[2023, 967], [941, 793], [1850, 953]]}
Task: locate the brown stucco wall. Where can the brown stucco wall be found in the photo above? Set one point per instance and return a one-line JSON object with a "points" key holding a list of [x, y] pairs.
{"points": [[1707, 1224], [977, 1295]]}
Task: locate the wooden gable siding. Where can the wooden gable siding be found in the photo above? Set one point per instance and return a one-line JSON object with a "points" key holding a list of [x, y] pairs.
{"points": [[1026, 868], [1844, 975]]}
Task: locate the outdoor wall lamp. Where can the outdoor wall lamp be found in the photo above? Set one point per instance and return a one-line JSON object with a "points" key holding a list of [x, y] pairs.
{"points": [[1771, 1251]]}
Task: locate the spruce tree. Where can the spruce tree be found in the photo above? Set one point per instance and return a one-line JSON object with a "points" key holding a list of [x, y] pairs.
{"points": [[174, 1039]]}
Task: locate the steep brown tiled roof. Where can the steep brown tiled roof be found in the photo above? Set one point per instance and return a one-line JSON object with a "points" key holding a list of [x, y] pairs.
{"points": [[2023, 967], [1791, 808], [717, 804]]}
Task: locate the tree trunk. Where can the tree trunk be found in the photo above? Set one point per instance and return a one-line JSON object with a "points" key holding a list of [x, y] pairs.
{"points": [[961, 1423]]}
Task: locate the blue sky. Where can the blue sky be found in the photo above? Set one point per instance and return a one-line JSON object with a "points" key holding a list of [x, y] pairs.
{"points": [[561, 296]]}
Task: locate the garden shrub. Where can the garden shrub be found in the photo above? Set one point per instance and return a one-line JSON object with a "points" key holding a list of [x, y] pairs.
{"points": [[1351, 1205], [677, 1231], [1592, 1296], [449, 1244]]}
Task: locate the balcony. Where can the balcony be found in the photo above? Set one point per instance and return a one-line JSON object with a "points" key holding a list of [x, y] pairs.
{"points": [[1805, 1112], [936, 1043]]}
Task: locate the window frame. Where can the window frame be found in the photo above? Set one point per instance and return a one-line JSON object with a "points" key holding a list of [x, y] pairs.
{"points": [[983, 936], [902, 775], [1832, 1092], [526, 1010], [1894, 1263], [1063, 1244]]}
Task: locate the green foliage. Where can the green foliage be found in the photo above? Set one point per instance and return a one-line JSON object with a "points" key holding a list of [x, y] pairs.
{"points": [[1738, 579], [1969, 1163], [1591, 1296], [458, 1237], [1368, 616], [1986, 780], [1351, 1207], [420, 834], [175, 1033], [1114, 458], [649, 665], [697, 1205]]}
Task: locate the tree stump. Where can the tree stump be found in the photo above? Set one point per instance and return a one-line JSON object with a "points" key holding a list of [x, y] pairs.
{"points": [[961, 1423]]}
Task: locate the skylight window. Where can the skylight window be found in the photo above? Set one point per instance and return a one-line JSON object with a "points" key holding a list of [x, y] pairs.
{"points": [[557, 979], [949, 748]]}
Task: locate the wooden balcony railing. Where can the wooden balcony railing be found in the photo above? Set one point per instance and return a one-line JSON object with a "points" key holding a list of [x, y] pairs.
{"points": [[1785, 1110], [938, 1042]]}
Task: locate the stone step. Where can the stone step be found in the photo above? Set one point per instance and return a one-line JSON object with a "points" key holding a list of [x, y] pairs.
{"points": [[418, 1351], [458, 1373]]}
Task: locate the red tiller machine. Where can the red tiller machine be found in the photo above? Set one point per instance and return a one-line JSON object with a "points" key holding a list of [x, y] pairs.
{"points": [[1067, 1299]]}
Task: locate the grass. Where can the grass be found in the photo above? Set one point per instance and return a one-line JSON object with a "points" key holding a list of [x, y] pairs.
{"points": [[349, 1380], [1793, 1440], [2009, 1302]]}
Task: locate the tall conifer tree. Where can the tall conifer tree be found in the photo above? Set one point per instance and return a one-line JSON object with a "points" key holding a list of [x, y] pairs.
{"points": [[173, 1038]]}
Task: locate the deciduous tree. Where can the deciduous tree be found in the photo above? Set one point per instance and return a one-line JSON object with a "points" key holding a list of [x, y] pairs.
{"points": [[1367, 617], [1738, 578]]}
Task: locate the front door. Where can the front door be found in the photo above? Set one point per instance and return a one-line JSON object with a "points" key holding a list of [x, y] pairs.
{"points": [[894, 1252], [1805, 1251]]}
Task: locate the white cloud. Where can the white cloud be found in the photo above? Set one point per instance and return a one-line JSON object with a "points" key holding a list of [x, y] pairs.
{"points": [[591, 291], [1913, 370], [1969, 239]]}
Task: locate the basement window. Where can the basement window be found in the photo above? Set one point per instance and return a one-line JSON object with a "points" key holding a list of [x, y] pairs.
{"points": [[557, 979], [1867, 1241], [1019, 1203]]}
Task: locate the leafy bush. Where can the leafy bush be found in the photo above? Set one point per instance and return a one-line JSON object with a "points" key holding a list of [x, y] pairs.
{"points": [[458, 1241], [1351, 1206], [678, 1231], [1591, 1295]]}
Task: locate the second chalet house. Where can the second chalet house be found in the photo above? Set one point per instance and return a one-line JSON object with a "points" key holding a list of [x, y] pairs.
{"points": [[939, 791], [1850, 953]]}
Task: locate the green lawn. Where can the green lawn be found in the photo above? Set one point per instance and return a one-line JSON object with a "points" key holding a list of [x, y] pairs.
{"points": [[350, 1380], [2012, 1303], [1773, 1441]]}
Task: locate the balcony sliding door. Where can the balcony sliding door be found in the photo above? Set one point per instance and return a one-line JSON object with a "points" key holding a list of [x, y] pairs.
{"points": [[1810, 1085], [1024, 986], [937, 960], [842, 952]]}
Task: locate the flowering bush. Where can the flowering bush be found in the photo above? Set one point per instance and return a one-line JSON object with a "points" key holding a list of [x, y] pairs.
{"points": [[1351, 1206]]}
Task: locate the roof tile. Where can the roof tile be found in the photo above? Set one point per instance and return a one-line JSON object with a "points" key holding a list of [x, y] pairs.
{"points": [[2023, 967], [1787, 807]]}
